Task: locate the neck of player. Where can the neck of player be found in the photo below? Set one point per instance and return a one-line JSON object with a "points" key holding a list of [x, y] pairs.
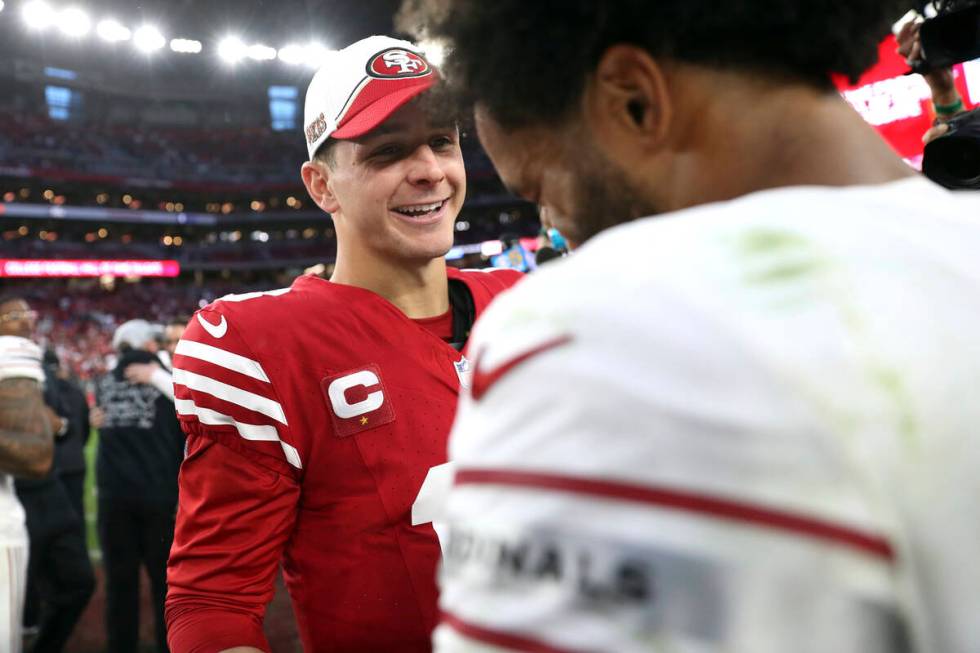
{"points": [[769, 137], [417, 289]]}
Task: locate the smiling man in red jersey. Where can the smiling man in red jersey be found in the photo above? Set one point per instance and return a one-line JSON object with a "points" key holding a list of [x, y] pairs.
{"points": [[313, 413]]}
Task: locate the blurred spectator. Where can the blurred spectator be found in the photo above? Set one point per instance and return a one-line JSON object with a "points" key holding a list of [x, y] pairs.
{"points": [[60, 580], [240, 155], [946, 100], [69, 452], [140, 449], [158, 373], [173, 332], [26, 448], [77, 321]]}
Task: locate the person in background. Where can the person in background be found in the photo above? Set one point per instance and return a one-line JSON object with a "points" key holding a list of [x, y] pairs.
{"points": [[173, 332], [158, 373], [140, 449], [70, 448], [946, 99], [60, 580], [27, 428], [757, 364]]}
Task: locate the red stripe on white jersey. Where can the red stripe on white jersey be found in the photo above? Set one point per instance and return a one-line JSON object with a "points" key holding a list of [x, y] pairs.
{"points": [[501, 638], [737, 511]]}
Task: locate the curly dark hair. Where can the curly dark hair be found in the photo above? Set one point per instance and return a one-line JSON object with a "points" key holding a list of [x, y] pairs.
{"points": [[527, 61]]}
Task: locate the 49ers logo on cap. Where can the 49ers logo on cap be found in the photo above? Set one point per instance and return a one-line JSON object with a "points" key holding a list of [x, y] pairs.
{"points": [[397, 62], [357, 400]]}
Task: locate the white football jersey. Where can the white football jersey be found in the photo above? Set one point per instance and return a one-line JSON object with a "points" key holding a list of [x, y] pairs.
{"points": [[746, 426], [19, 358]]}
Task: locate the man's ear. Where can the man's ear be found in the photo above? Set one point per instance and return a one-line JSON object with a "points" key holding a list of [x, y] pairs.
{"points": [[627, 103], [316, 178]]}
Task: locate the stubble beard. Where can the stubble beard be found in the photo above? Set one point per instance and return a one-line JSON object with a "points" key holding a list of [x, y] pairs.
{"points": [[604, 199]]}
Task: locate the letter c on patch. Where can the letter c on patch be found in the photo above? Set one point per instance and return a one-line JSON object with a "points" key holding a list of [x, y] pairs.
{"points": [[337, 392]]}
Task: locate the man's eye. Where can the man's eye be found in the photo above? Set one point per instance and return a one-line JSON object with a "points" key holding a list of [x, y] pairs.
{"points": [[386, 151], [441, 142]]}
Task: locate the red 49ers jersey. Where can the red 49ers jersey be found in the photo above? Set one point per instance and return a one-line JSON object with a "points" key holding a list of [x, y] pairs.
{"points": [[313, 414]]}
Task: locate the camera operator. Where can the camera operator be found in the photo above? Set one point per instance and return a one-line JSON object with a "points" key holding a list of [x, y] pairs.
{"points": [[951, 156], [946, 100]]}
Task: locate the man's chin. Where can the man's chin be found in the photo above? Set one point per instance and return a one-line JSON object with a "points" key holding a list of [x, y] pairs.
{"points": [[422, 253]]}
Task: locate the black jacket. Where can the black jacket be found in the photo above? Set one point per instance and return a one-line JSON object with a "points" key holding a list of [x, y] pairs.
{"points": [[141, 445], [69, 452]]}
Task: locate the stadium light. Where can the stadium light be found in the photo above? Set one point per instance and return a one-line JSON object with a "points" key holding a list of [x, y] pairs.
{"points": [[186, 46], [148, 39], [1, 5], [74, 22], [315, 54], [112, 31], [292, 54], [38, 15], [232, 50], [260, 52]]}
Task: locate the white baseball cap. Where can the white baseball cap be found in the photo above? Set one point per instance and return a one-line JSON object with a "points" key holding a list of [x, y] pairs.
{"points": [[357, 88], [135, 334]]}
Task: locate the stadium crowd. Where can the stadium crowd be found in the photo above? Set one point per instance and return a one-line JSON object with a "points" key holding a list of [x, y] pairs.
{"points": [[233, 155], [77, 321]]}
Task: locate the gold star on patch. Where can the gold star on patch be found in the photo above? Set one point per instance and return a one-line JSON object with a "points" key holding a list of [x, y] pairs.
{"points": [[364, 421]]}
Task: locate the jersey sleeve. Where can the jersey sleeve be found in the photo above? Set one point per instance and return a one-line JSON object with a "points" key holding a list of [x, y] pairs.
{"points": [[20, 358], [233, 520], [504, 278], [223, 392], [493, 281], [239, 490]]}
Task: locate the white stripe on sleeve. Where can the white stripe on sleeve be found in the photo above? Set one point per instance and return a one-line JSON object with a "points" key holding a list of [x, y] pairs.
{"points": [[260, 432], [222, 358], [231, 394]]}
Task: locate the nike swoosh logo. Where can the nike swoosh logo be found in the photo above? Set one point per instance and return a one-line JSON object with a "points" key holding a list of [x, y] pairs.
{"points": [[484, 379], [216, 330]]}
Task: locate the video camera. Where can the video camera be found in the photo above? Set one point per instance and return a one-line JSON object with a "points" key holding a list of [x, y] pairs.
{"points": [[952, 36]]}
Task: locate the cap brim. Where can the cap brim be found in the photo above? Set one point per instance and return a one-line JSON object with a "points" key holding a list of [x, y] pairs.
{"points": [[380, 110]]}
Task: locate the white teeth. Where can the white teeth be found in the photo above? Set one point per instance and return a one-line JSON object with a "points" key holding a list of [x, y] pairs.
{"points": [[418, 209]]}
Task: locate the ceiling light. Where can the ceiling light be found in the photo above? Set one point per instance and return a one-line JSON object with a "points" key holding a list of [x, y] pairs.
{"points": [[260, 52], [38, 15], [232, 49], [74, 22], [186, 46], [292, 54], [148, 38], [112, 30], [314, 55]]}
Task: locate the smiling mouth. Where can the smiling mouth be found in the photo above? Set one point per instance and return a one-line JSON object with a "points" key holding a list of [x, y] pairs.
{"points": [[420, 210]]}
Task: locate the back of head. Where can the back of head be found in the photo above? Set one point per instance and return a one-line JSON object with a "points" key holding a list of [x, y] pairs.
{"points": [[134, 335], [527, 62]]}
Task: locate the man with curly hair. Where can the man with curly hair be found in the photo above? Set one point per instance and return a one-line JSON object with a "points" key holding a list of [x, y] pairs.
{"points": [[752, 360]]}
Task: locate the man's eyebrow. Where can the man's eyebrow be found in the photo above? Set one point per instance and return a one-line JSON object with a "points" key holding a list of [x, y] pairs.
{"points": [[442, 126]]}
